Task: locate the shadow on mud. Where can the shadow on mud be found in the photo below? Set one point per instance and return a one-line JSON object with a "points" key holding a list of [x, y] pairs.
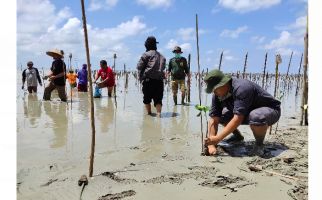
{"points": [[249, 149], [169, 114]]}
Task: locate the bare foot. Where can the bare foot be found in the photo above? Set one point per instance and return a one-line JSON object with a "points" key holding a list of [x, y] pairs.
{"points": [[159, 115], [212, 149]]}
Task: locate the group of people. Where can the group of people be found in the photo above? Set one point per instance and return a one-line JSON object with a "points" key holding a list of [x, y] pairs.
{"points": [[234, 101], [57, 77]]}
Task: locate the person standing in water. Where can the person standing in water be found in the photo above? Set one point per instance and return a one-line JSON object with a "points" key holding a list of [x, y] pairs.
{"points": [[178, 68], [151, 68], [57, 76], [82, 79], [32, 75]]}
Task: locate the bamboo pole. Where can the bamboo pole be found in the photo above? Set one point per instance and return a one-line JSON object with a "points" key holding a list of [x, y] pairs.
{"points": [[299, 77], [71, 91], [245, 64], [91, 163], [220, 60], [189, 78], [278, 60], [305, 90], [263, 82], [199, 83], [288, 69], [114, 57]]}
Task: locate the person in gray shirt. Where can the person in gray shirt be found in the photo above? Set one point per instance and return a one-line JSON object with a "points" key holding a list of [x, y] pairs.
{"points": [[235, 102], [151, 68], [31, 74]]}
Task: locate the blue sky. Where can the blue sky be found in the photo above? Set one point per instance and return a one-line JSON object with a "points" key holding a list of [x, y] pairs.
{"points": [[121, 27]]}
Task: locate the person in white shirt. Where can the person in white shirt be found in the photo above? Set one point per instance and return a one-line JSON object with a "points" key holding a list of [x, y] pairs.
{"points": [[31, 74]]}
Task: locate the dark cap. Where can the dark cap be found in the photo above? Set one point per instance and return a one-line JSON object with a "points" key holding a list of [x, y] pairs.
{"points": [[215, 79], [30, 63], [177, 49], [151, 40]]}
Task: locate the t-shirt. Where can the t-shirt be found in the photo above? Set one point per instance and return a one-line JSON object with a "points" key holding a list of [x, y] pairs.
{"points": [[31, 75], [178, 68], [58, 66], [246, 96], [82, 77], [71, 78], [106, 73]]}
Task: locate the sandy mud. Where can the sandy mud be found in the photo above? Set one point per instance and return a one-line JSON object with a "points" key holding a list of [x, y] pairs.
{"points": [[145, 157]]}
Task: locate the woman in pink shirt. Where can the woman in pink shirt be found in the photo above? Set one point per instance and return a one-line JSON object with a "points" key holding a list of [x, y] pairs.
{"points": [[107, 77]]}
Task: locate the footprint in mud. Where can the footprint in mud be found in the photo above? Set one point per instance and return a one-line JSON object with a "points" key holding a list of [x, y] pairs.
{"points": [[116, 178], [298, 192], [197, 172], [117, 196], [221, 181]]}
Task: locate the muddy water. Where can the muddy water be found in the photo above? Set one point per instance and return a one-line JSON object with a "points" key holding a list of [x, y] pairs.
{"points": [[136, 156]]}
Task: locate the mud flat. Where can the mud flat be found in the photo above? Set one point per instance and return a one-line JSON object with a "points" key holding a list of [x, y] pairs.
{"points": [[144, 157]]}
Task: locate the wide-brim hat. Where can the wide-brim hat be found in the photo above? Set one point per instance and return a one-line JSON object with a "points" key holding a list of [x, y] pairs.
{"points": [[55, 53], [177, 49], [216, 79]]}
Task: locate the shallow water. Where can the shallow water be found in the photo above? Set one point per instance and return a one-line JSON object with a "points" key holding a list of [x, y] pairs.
{"points": [[51, 132]]}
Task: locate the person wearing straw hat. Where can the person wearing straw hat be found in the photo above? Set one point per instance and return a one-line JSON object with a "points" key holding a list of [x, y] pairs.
{"points": [[32, 75], [151, 68], [235, 102], [178, 68], [57, 76]]}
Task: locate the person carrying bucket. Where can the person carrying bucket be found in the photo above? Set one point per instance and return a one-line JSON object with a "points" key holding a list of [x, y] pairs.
{"points": [[107, 77], [235, 102]]}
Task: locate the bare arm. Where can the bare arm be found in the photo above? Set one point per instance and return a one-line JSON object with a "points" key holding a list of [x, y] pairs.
{"points": [[229, 128]]}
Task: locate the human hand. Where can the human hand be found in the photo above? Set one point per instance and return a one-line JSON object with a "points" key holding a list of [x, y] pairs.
{"points": [[51, 78], [212, 140]]}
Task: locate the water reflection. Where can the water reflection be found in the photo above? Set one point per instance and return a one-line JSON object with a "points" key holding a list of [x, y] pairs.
{"points": [[57, 112], [105, 113], [32, 109]]}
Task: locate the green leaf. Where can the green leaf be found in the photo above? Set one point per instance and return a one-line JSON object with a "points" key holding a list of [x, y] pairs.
{"points": [[202, 108]]}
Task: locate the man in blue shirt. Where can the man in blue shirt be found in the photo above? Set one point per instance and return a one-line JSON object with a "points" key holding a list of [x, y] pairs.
{"points": [[235, 102]]}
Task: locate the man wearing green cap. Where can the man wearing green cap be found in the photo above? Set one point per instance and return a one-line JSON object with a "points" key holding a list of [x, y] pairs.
{"points": [[235, 102]]}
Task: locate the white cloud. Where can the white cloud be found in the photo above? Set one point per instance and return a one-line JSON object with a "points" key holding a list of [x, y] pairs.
{"points": [[291, 36], [186, 33], [58, 29], [102, 4], [186, 47], [258, 39], [243, 6], [233, 33], [152, 4]]}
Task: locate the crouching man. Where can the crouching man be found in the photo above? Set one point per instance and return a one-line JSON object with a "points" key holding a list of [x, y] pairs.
{"points": [[235, 102]]}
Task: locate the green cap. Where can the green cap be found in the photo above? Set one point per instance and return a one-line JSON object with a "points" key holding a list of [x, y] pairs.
{"points": [[215, 79]]}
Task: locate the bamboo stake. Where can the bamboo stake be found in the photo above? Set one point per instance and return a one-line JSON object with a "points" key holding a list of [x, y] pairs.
{"points": [[90, 91], [245, 64], [305, 90], [199, 83], [278, 60], [288, 69], [299, 77], [189, 78], [220, 60], [71, 91], [263, 82], [114, 57]]}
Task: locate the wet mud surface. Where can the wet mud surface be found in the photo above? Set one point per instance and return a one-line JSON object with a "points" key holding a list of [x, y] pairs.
{"points": [[145, 157]]}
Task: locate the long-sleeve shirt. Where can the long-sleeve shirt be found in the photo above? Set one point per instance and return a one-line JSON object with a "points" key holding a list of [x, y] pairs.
{"points": [[31, 75], [151, 65]]}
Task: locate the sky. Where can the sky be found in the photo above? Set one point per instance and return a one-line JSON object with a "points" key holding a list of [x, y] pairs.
{"points": [[121, 26]]}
